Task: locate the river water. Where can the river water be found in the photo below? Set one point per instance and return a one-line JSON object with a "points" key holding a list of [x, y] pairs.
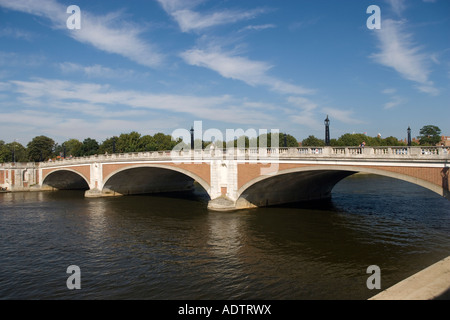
{"points": [[164, 247]]}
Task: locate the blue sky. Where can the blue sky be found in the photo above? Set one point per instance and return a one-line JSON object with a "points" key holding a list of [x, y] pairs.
{"points": [[159, 65]]}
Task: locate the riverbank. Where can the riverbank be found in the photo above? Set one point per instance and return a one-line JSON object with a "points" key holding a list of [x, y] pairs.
{"points": [[432, 283]]}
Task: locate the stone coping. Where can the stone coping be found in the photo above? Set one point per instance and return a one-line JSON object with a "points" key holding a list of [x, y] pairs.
{"points": [[432, 283]]}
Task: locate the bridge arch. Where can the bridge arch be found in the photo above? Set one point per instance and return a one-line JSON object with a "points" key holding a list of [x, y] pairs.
{"points": [[310, 183], [151, 178], [65, 179]]}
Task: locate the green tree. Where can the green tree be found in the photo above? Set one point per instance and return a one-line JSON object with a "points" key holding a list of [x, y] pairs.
{"points": [[352, 140], [163, 142], [129, 142], [13, 151], [242, 142], [334, 142], [40, 148], [109, 145], [147, 143], [90, 147], [70, 147], [290, 140], [73, 147], [3, 152], [266, 140], [312, 141], [430, 135], [19, 151], [392, 142]]}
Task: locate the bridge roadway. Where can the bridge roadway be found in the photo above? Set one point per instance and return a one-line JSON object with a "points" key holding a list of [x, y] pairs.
{"points": [[234, 178]]}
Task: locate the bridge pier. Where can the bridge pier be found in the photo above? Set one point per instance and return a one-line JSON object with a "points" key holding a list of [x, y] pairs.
{"points": [[292, 187], [94, 193], [222, 204]]}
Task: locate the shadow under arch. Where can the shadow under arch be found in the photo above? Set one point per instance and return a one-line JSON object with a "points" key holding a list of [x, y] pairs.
{"points": [[150, 179], [65, 179], [310, 184]]}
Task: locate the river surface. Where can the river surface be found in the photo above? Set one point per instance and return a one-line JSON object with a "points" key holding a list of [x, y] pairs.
{"points": [[163, 247]]}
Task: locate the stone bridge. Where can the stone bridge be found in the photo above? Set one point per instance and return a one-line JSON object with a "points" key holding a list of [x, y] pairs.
{"points": [[233, 178]]}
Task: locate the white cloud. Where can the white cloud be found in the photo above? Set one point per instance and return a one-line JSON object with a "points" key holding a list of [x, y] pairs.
{"points": [[174, 5], [258, 27], [345, 116], [230, 66], [302, 103], [16, 33], [389, 91], [107, 33], [13, 59], [428, 89], [102, 101], [5, 86], [398, 6], [190, 20], [395, 101], [62, 127], [397, 51], [96, 71], [304, 113]]}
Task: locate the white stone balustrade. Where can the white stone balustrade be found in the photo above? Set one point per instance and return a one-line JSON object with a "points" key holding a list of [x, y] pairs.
{"points": [[372, 153]]}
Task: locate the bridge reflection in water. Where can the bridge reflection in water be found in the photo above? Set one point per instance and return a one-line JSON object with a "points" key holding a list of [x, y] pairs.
{"points": [[233, 178]]}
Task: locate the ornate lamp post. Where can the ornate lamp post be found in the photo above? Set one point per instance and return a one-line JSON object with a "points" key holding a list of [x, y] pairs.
{"points": [[192, 138], [327, 131], [409, 136]]}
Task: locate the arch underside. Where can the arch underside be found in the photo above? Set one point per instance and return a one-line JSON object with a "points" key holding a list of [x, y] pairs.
{"points": [[291, 188], [306, 184], [65, 180], [147, 180]]}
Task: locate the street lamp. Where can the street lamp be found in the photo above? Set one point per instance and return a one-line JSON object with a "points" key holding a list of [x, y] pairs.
{"points": [[409, 136], [192, 138], [327, 131]]}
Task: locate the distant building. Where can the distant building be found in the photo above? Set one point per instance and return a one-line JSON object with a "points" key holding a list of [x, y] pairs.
{"points": [[445, 140], [413, 140]]}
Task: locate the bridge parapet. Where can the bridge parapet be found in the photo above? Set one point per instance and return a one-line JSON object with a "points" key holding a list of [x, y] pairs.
{"points": [[19, 165], [431, 153], [188, 156]]}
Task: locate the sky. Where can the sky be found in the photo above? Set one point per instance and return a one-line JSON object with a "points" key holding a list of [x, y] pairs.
{"points": [[160, 65]]}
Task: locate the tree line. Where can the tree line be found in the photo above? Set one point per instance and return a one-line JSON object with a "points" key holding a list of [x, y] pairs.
{"points": [[430, 135], [42, 148]]}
